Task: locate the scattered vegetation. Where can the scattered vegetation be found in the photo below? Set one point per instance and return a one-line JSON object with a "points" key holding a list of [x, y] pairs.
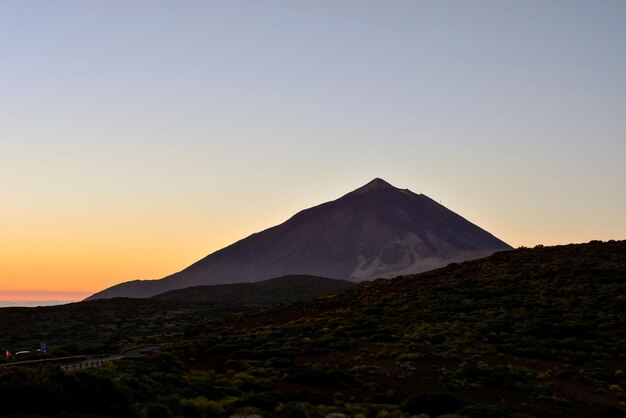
{"points": [[525, 333], [100, 326]]}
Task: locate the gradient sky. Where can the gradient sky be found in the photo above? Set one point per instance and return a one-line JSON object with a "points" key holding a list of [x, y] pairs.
{"points": [[137, 137]]}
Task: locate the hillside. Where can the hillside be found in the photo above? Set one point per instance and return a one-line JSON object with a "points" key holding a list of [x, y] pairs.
{"points": [[267, 292], [524, 333], [101, 326], [531, 332], [375, 231], [109, 325]]}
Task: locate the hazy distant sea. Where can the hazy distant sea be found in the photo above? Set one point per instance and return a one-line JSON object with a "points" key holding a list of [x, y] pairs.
{"points": [[32, 303]]}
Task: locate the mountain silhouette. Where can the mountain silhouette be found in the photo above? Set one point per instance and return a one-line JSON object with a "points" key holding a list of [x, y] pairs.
{"points": [[375, 231], [266, 292]]}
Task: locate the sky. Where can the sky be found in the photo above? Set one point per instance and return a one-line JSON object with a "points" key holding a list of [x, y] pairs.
{"points": [[138, 137]]}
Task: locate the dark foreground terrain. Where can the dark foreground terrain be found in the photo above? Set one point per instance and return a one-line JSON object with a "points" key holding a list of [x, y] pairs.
{"points": [[526, 333], [108, 326]]}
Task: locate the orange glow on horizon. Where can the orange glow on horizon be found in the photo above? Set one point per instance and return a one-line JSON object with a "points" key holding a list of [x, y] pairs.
{"points": [[42, 295], [69, 253], [72, 271], [64, 264]]}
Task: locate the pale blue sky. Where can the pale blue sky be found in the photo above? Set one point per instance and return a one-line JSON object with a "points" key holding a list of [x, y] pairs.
{"points": [[198, 123]]}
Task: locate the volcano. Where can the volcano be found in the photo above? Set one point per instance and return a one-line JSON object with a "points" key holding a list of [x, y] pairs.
{"points": [[375, 231]]}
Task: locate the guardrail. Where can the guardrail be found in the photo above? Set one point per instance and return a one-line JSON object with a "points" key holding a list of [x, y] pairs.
{"points": [[87, 364]]}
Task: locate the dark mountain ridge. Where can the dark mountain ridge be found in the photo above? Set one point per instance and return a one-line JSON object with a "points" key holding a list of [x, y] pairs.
{"points": [[267, 292], [375, 231]]}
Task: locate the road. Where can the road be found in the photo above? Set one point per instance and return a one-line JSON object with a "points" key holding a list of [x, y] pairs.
{"points": [[85, 362]]}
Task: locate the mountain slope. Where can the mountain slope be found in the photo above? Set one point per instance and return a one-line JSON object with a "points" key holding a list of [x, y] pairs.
{"points": [[375, 231], [267, 292]]}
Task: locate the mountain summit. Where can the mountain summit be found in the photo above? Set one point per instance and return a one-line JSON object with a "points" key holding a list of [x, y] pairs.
{"points": [[375, 231], [374, 184]]}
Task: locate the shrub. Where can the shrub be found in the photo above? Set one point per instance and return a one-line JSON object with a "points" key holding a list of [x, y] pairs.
{"points": [[154, 410], [200, 407], [294, 410]]}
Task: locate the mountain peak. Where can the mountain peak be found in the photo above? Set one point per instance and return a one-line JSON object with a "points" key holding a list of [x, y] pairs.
{"points": [[377, 231], [377, 183]]}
